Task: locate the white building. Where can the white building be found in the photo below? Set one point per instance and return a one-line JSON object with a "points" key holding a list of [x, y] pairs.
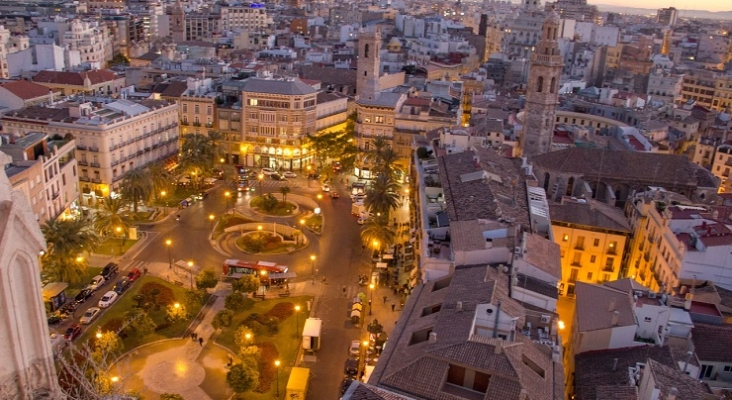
{"points": [[249, 17], [91, 40]]}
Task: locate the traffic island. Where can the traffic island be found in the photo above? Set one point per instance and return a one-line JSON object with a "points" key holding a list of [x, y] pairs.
{"points": [[268, 238], [269, 205]]}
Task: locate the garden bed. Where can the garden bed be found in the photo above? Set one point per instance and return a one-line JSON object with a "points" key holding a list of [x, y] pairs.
{"points": [[227, 221], [277, 207], [265, 243]]}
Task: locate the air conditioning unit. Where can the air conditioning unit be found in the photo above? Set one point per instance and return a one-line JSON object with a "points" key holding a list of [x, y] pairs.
{"points": [[545, 319], [638, 293], [517, 250], [651, 295]]}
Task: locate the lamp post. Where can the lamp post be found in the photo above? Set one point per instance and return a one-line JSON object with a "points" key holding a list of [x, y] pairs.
{"points": [[119, 233], [168, 242], [165, 208], [371, 287], [312, 266], [362, 365], [263, 273], [228, 199], [297, 320], [302, 231], [190, 271], [309, 168], [277, 384], [261, 178]]}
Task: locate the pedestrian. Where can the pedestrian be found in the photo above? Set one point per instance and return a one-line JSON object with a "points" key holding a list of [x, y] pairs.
{"points": [[369, 303], [193, 337], [401, 306], [200, 341], [384, 299], [144, 270], [394, 289], [344, 290], [231, 361], [392, 306]]}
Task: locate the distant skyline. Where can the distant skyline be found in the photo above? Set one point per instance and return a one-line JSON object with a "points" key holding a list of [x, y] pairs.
{"points": [[708, 5]]}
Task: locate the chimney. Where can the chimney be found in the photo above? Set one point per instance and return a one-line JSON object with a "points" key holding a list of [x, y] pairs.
{"points": [[459, 306], [433, 337], [611, 307], [615, 364], [672, 392], [50, 97], [614, 321], [498, 349]]}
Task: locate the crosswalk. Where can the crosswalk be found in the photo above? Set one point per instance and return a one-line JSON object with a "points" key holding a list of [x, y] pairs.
{"points": [[272, 184]]}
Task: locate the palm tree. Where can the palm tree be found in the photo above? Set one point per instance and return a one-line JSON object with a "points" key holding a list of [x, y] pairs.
{"points": [[67, 241], [382, 196], [284, 190], [161, 180], [196, 156], [217, 143], [110, 217], [136, 187], [377, 233], [385, 162]]}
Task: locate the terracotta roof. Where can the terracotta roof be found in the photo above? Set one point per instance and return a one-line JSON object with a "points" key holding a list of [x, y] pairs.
{"points": [[712, 343], [25, 90], [364, 391], [617, 393], [75, 78], [593, 307], [592, 213], [171, 89], [670, 377], [598, 369], [543, 254], [629, 166], [329, 75], [626, 285]]}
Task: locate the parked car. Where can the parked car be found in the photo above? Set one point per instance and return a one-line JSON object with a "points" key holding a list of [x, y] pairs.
{"points": [[54, 319], [276, 177], [351, 367], [325, 187], [313, 175], [334, 195], [110, 271], [96, 282], [108, 299], [72, 332], [268, 171], [122, 285], [89, 316], [361, 220], [133, 274], [289, 174], [347, 381], [355, 348], [83, 295]]}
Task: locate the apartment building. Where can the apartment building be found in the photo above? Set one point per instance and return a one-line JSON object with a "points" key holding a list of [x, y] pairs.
{"points": [[95, 82], [721, 166], [27, 176], [699, 85], [112, 136], [722, 100], [248, 17], [592, 238], [197, 112], [59, 183], [91, 39], [666, 86]]}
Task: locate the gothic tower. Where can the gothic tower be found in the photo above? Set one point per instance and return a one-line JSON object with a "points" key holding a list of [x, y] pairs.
{"points": [[178, 23], [369, 60], [545, 69]]}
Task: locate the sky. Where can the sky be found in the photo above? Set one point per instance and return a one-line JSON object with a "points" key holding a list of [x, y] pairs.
{"points": [[706, 5]]}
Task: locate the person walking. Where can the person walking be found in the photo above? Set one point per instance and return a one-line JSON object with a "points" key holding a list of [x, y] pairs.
{"points": [[344, 290], [392, 306], [384, 299], [200, 341], [193, 337]]}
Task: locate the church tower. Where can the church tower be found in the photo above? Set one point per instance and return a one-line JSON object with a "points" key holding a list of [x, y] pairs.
{"points": [[545, 69], [178, 23], [369, 61]]}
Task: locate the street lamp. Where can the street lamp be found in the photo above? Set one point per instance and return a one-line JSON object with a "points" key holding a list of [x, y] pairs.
{"points": [[364, 347], [190, 271], [168, 242], [297, 320], [302, 231], [119, 232], [261, 178], [320, 196], [263, 273], [371, 286], [211, 217], [176, 305], [277, 364], [312, 266], [165, 208], [309, 168], [228, 198]]}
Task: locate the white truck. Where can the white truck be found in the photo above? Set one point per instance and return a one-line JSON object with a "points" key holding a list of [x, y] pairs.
{"points": [[311, 334]]}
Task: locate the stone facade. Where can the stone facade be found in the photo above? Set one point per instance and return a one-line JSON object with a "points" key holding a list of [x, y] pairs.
{"points": [[27, 370], [542, 92]]}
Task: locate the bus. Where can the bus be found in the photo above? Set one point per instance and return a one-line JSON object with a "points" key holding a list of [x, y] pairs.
{"points": [[236, 268]]}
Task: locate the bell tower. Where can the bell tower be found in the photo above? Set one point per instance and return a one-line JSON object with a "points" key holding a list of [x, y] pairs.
{"points": [[368, 64], [178, 23], [545, 70]]}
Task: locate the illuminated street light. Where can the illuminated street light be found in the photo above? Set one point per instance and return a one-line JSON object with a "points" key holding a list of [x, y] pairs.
{"points": [[165, 209], [297, 320], [176, 305], [371, 287], [114, 379], [277, 364], [190, 267], [261, 178], [312, 266], [168, 242]]}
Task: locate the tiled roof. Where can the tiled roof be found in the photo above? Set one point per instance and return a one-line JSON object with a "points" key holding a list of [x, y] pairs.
{"points": [[171, 89], [419, 370], [651, 168], [275, 86], [467, 235], [597, 369], [329, 75], [617, 393], [364, 391], [671, 377], [712, 343], [593, 307], [75, 78], [25, 90], [537, 286], [543, 254], [626, 285], [590, 214], [497, 191]]}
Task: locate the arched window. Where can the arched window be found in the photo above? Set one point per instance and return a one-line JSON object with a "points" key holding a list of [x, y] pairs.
{"points": [[552, 87], [570, 186], [364, 73], [366, 51], [540, 84], [547, 178]]}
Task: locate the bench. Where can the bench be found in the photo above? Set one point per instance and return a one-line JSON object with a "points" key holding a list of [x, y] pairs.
{"points": [[286, 294], [179, 283]]}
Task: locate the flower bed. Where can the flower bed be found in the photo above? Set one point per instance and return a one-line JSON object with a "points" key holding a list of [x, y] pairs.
{"points": [[281, 311], [158, 294], [268, 353]]}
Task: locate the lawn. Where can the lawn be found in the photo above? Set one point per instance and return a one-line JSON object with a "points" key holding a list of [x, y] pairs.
{"points": [[287, 339], [229, 220], [75, 288], [280, 209], [112, 246], [314, 222], [127, 302], [265, 243]]}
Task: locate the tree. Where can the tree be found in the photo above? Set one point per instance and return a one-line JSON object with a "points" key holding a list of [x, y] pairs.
{"points": [[377, 233], [246, 284], [110, 217], [171, 396], [161, 180], [269, 202], [206, 280], [383, 195], [242, 377], [284, 190], [139, 322], [222, 319], [176, 312], [67, 241], [216, 138], [107, 346], [85, 372], [197, 156], [386, 163], [195, 298], [234, 301], [136, 187]]}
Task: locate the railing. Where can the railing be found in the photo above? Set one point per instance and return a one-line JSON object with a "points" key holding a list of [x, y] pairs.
{"points": [[612, 251], [642, 276], [139, 152], [55, 195], [576, 264], [84, 178], [95, 164], [579, 246], [115, 162], [96, 180], [80, 147], [608, 268], [196, 124], [647, 256], [94, 149], [82, 163], [184, 123]]}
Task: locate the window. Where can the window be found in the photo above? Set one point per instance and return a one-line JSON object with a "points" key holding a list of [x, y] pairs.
{"points": [[593, 259], [589, 276], [565, 238], [727, 368], [577, 258], [379, 119], [596, 242], [647, 319], [539, 84], [580, 245], [196, 108]]}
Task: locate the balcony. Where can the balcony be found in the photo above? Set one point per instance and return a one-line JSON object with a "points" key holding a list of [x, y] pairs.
{"points": [[96, 180], [115, 162], [80, 146], [579, 246], [83, 163], [608, 268], [54, 196], [139, 152], [647, 256], [612, 251], [576, 264], [84, 178], [642, 276], [651, 239], [184, 123], [197, 124], [95, 164]]}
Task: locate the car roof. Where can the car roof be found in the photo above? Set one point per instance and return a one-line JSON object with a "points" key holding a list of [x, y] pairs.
{"points": [[98, 276], [109, 293]]}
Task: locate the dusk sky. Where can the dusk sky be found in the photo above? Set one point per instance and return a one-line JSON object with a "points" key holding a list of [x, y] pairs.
{"points": [[708, 5]]}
